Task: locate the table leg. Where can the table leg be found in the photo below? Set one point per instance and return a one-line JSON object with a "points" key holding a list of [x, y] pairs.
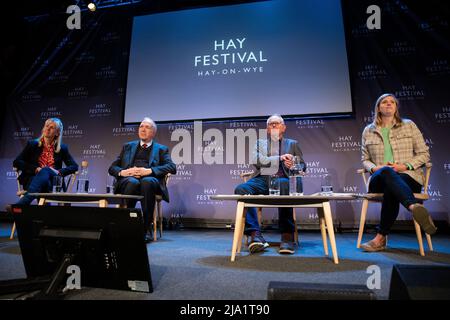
{"points": [[241, 234], [362, 221], [329, 223], [238, 227], [323, 229], [41, 201], [294, 218]]}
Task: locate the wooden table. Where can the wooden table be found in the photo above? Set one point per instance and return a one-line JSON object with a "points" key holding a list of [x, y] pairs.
{"points": [[103, 199], [321, 202]]}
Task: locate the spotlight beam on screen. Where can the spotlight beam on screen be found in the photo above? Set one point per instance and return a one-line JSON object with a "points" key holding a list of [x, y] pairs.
{"points": [[239, 61]]}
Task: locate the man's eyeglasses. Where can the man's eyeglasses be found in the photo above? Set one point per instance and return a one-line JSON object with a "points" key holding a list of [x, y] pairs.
{"points": [[274, 124]]}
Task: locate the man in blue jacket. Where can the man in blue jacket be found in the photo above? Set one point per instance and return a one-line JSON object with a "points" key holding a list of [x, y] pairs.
{"points": [[140, 169]]}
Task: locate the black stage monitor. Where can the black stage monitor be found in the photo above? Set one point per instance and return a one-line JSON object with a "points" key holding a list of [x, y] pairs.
{"points": [[107, 244]]}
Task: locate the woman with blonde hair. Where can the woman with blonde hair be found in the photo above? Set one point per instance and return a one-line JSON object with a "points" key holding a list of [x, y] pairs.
{"points": [[393, 151], [42, 159]]}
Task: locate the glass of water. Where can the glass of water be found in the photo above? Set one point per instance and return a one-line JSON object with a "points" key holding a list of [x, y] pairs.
{"points": [[326, 185], [57, 184], [82, 185], [274, 185], [110, 181]]}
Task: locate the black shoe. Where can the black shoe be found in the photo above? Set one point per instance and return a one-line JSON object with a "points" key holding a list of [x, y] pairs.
{"points": [[148, 237], [287, 245], [287, 248], [423, 218], [258, 242]]}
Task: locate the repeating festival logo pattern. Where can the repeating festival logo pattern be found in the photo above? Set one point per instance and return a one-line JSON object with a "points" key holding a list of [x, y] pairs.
{"points": [[89, 98]]}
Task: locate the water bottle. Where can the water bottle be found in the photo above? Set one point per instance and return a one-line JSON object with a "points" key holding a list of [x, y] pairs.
{"points": [[326, 185], [295, 178], [83, 178], [57, 184]]}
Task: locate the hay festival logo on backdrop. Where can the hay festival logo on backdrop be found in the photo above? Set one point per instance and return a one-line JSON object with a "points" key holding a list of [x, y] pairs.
{"points": [[237, 170], [310, 124], [51, 112], [24, 133], [184, 172], [78, 93], [410, 92], [124, 131], [203, 198], [73, 130], [94, 151], [443, 115], [230, 57], [345, 143], [315, 169], [99, 110], [31, 96]]}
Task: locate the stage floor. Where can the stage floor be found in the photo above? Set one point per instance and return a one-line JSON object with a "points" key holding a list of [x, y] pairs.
{"points": [[195, 264]]}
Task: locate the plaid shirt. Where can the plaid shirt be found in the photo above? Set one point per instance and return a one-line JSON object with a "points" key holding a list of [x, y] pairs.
{"points": [[408, 146]]}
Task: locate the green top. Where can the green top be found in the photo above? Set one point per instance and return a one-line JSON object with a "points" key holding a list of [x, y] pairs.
{"points": [[388, 154]]}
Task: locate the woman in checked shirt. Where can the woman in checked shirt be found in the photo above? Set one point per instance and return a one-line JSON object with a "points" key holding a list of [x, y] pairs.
{"points": [[393, 151]]}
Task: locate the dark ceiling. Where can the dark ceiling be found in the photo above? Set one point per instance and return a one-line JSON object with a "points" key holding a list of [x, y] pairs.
{"points": [[26, 8]]}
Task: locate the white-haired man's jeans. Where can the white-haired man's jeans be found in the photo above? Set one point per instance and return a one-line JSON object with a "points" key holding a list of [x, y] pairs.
{"points": [[259, 185]]}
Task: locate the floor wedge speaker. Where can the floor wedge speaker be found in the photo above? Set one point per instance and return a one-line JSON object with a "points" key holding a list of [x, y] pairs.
{"points": [[318, 291], [419, 282]]}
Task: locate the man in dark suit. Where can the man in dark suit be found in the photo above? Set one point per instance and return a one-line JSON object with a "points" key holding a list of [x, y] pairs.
{"points": [[140, 169], [272, 157], [42, 159]]}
